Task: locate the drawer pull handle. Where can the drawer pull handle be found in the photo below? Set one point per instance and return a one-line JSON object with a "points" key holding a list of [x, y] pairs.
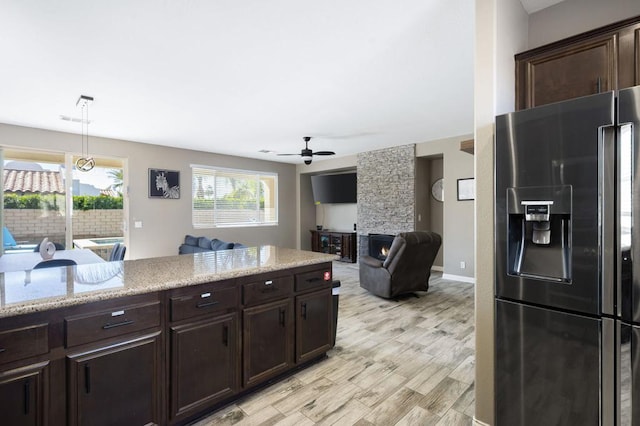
{"points": [[268, 282], [2, 350], [27, 396], [225, 335], [206, 304], [313, 280], [304, 311], [282, 317], [205, 295], [107, 326], [87, 378]]}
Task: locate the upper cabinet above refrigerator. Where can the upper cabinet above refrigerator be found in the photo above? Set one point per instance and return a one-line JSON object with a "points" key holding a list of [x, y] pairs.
{"points": [[594, 62]]}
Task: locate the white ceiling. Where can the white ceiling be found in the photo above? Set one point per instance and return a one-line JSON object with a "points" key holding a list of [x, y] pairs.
{"points": [[238, 76]]}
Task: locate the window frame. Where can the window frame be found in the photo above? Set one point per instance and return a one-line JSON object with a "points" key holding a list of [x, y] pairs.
{"points": [[251, 175]]}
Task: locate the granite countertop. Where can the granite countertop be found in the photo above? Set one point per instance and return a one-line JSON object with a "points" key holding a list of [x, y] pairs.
{"points": [[49, 288]]}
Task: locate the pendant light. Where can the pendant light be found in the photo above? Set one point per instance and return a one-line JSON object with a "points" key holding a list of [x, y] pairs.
{"points": [[85, 163]]}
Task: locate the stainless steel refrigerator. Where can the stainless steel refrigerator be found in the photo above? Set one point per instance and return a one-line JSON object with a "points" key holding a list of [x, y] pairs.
{"points": [[567, 290]]}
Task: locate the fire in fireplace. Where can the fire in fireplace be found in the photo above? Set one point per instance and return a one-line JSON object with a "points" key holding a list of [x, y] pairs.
{"points": [[379, 245]]}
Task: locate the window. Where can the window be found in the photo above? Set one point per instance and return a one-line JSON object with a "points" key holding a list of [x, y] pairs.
{"points": [[45, 196], [227, 197]]}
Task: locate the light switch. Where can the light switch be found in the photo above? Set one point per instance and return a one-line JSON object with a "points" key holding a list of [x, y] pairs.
{"points": [[137, 224]]}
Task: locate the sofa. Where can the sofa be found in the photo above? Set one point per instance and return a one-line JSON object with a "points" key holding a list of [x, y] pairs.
{"points": [[201, 244], [407, 267]]}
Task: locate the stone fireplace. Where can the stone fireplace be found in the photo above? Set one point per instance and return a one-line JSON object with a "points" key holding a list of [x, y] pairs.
{"points": [[386, 193]]}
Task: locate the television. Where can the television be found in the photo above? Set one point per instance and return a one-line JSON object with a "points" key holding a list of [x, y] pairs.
{"points": [[333, 189]]}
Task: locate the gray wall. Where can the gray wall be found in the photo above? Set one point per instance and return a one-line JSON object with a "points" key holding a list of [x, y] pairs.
{"points": [[429, 211], [458, 225], [436, 208], [165, 222]]}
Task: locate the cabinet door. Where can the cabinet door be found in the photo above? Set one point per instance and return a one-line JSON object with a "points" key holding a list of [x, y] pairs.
{"points": [[268, 340], [325, 243], [579, 69], [23, 395], [117, 384], [314, 324], [336, 244], [204, 364]]}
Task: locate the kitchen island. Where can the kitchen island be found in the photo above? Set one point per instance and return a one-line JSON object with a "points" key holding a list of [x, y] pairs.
{"points": [[158, 341]]}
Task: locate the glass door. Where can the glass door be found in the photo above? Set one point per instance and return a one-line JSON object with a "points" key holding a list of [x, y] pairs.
{"points": [[45, 196], [33, 200], [97, 218]]}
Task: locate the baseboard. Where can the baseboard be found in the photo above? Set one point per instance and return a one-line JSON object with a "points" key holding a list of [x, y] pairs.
{"points": [[477, 422], [437, 268], [462, 278]]}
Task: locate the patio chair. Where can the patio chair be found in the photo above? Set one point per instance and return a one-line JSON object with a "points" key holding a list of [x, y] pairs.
{"points": [[117, 252], [11, 245]]}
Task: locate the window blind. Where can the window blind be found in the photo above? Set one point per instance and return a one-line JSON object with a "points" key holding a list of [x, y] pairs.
{"points": [[228, 197]]}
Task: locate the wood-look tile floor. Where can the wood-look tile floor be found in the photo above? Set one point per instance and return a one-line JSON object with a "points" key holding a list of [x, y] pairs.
{"points": [[406, 362]]}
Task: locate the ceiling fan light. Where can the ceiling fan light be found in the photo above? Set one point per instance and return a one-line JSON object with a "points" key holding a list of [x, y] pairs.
{"points": [[307, 159]]}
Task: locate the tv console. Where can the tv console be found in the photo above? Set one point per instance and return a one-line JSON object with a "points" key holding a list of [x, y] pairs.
{"points": [[339, 243]]}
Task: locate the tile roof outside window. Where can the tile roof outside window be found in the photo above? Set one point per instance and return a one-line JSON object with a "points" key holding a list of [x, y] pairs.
{"points": [[33, 181]]}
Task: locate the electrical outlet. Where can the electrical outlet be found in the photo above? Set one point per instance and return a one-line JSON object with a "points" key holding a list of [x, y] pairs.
{"points": [[463, 264]]}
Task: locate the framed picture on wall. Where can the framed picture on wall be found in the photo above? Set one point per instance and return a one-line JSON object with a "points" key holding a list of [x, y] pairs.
{"points": [[164, 183], [466, 189]]}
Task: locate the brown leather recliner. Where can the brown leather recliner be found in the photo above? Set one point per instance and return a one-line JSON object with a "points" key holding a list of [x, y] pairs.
{"points": [[407, 267]]}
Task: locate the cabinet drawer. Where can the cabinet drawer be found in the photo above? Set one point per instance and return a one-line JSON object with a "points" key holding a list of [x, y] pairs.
{"points": [[204, 301], [25, 342], [96, 326], [313, 280], [267, 289]]}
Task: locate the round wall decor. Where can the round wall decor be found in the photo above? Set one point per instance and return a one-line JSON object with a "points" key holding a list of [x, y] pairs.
{"points": [[437, 190]]}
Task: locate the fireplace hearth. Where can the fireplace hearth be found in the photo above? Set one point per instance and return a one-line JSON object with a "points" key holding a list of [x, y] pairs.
{"points": [[379, 245]]}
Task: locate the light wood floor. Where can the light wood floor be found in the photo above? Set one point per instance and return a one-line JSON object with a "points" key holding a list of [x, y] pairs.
{"points": [[409, 362]]}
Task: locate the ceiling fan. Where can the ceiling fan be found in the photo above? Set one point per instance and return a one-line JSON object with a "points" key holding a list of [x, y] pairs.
{"points": [[307, 154]]}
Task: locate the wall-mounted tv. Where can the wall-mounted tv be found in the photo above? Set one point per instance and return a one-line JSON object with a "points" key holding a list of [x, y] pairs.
{"points": [[333, 189]]}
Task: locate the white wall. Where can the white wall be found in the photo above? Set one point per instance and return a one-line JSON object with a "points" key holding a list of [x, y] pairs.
{"points": [[165, 222], [337, 217], [572, 17]]}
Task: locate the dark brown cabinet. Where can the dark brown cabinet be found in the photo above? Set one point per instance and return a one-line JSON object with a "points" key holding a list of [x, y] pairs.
{"points": [[204, 348], [23, 395], [593, 62], [314, 324], [163, 357], [116, 384], [267, 340], [204, 363], [342, 244]]}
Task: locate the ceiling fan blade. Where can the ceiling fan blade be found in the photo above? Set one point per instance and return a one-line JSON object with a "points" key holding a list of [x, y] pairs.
{"points": [[288, 154], [324, 153]]}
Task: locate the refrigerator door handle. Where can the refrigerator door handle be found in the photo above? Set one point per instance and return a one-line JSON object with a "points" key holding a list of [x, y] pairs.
{"points": [[609, 229], [609, 373]]}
